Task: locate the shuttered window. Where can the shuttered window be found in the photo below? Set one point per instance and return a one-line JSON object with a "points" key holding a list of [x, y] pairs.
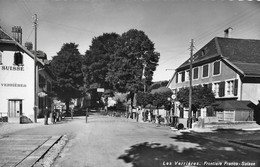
{"points": [[210, 86], [196, 73], [182, 76], [216, 68], [187, 75], [18, 59], [216, 89], [205, 71], [235, 87], [221, 89]]}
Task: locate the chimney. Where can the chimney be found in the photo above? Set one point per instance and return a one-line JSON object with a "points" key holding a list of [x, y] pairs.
{"points": [[17, 33], [227, 32], [29, 45]]}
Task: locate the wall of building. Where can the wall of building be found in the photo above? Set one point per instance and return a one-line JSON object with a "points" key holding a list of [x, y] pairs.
{"points": [[251, 91], [244, 115], [226, 73], [17, 83]]}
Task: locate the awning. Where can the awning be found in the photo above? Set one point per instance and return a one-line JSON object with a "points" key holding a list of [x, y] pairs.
{"points": [[149, 106], [233, 105]]}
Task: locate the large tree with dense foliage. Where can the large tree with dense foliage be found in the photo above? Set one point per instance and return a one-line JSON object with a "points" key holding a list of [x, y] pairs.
{"points": [[144, 98], [201, 96], [161, 99], [66, 66], [97, 59], [158, 98], [133, 63]]}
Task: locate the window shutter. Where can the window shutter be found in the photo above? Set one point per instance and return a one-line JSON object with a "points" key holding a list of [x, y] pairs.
{"points": [[0, 57], [15, 59], [210, 86], [182, 76], [18, 58], [235, 86], [177, 77], [221, 89], [205, 70]]}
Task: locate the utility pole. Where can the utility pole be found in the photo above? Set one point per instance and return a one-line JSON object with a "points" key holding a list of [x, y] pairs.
{"points": [[143, 75], [190, 87], [35, 70]]}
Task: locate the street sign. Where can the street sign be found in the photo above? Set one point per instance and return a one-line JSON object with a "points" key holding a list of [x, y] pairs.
{"points": [[100, 90], [42, 94]]}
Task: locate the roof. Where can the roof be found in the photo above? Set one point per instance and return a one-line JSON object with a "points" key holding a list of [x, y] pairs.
{"points": [[243, 54], [4, 36], [233, 105], [9, 44]]}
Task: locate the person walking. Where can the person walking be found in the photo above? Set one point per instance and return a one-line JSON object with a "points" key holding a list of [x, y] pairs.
{"points": [[137, 114], [54, 116]]}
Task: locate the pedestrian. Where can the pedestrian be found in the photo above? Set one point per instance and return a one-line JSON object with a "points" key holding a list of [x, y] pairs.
{"points": [[57, 115], [86, 115], [137, 114], [54, 116], [71, 113]]}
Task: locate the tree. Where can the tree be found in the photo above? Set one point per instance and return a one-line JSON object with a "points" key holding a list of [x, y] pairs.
{"points": [[144, 98], [133, 62], [66, 66], [201, 96], [161, 99], [97, 59]]}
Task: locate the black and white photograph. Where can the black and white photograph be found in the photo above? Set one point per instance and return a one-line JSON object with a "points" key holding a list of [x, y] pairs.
{"points": [[129, 83]]}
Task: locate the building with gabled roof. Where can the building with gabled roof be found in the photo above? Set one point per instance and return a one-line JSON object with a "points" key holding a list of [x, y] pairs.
{"points": [[229, 66], [17, 80]]}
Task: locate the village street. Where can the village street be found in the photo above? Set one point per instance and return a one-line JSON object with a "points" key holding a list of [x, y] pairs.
{"points": [[118, 142]]}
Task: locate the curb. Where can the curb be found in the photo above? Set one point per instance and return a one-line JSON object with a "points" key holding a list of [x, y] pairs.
{"points": [[37, 154], [245, 144]]}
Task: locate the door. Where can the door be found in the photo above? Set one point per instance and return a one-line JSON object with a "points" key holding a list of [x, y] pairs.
{"points": [[14, 108]]}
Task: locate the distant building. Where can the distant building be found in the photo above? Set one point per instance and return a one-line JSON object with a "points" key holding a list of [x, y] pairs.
{"points": [[231, 68], [17, 80]]}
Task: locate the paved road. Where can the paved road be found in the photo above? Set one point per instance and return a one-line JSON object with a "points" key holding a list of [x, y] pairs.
{"points": [[118, 142]]}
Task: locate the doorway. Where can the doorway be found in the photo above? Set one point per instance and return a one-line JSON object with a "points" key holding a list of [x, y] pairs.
{"points": [[15, 110]]}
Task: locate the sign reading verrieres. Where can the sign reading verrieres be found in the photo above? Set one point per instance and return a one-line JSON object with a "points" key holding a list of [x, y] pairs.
{"points": [[12, 68]]}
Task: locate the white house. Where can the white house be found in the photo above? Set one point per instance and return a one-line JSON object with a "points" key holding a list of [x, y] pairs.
{"points": [[17, 79]]}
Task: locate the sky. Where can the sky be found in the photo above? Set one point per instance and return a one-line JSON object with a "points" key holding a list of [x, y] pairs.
{"points": [[169, 24]]}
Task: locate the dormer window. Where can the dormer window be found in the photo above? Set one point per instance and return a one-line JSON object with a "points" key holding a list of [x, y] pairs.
{"points": [[203, 52]]}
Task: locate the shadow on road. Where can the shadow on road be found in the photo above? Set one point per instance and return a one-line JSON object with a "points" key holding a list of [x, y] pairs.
{"points": [[185, 148]]}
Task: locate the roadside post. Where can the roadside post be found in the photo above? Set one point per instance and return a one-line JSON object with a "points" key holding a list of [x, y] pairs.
{"points": [[87, 105], [86, 115]]}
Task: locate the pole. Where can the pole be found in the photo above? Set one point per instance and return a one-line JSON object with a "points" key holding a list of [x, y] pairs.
{"points": [[190, 86], [35, 70], [143, 76]]}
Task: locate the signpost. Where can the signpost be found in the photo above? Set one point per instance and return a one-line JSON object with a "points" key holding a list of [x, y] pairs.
{"points": [[102, 90]]}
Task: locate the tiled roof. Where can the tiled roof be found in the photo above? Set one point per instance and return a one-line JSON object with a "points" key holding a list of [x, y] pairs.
{"points": [[240, 50], [233, 105], [252, 69], [243, 53]]}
